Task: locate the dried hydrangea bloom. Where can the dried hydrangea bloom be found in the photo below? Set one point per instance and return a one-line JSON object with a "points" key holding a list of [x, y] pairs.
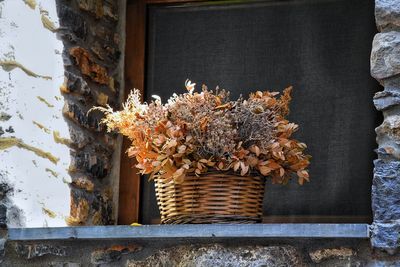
{"points": [[197, 132]]}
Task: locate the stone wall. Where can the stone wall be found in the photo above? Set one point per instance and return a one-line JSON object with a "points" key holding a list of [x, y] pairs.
{"points": [[190, 253], [385, 67], [92, 34]]}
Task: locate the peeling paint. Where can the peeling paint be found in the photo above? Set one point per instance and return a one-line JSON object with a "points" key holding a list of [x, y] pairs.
{"points": [[9, 65], [47, 23], [42, 127], [60, 140], [49, 213], [4, 116], [8, 142], [10, 129], [41, 99], [55, 174], [31, 3]]}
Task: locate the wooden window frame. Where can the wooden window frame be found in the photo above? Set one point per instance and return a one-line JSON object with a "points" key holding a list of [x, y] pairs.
{"points": [[129, 183], [135, 57]]}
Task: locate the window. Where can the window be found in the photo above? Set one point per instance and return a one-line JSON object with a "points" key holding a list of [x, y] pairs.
{"points": [[321, 47]]}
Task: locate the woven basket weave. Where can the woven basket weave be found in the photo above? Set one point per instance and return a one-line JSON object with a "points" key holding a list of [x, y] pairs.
{"points": [[211, 198]]}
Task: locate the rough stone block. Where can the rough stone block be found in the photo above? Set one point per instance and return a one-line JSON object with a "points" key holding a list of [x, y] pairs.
{"points": [[385, 236], [93, 6], [386, 99], [79, 213], [320, 255], [81, 116], [88, 67], [72, 24], [79, 138], [387, 15], [96, 164], [75, 84], [392, 84], [386, 191], [217, 255], [385, 55], [110, 9], [83, 182], [102, 33], [38, 250], [103, 207], [112, 254], [93, 164], [64, 264], [389, 128], [100, 8]]}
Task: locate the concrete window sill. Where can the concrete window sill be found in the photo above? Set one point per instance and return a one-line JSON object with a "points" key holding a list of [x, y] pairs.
{"points": [[215, 231]]}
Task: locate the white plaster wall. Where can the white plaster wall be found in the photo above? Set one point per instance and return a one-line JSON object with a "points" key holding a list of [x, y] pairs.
{"points": [[23, 38]]}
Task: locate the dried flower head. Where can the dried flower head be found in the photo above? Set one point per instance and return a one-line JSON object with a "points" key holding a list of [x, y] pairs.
{"points": [[198, 131]]}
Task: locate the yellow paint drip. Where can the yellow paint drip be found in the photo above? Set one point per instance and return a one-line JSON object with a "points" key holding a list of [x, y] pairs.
{"points": [[47, 23], [40, 126], [49, 213], [55, 174], [8, 142], [61, 140], [41, 99], [31, 3], [9, 65]]}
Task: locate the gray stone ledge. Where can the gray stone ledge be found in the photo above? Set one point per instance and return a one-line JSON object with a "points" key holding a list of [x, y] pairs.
{"points": [[220, 232]]}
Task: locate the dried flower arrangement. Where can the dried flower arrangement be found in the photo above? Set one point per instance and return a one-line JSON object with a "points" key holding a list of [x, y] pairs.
{"points": [[194, 133]]}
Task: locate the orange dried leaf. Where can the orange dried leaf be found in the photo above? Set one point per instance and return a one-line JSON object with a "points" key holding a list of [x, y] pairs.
{"points": [[236, 166], [265, 170]]}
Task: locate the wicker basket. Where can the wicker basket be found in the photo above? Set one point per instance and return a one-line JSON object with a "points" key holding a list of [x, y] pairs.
{"points": [[211, 198]]}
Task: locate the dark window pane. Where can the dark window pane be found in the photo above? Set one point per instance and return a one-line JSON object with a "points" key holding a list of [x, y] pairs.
{"points": [[322, 48]]}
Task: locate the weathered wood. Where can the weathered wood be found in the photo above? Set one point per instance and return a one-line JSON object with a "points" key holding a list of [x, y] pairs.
{"points": [[129, 188]]}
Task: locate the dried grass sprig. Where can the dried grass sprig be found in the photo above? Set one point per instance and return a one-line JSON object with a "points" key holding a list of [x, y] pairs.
{"points": [[198, 131]]}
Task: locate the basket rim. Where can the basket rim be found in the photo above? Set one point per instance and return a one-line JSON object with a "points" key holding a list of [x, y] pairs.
{"points": [[213, 171]]}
